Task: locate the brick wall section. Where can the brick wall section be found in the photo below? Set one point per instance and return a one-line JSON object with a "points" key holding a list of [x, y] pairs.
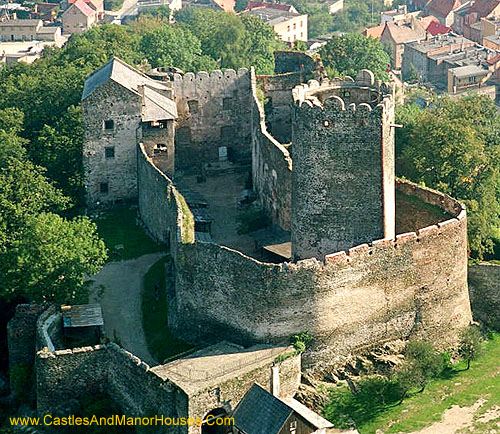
{"points": [[215, 108], [110, 102], [271, 168], [21, 334], [390, 289], [343, 166], [484, 291]]}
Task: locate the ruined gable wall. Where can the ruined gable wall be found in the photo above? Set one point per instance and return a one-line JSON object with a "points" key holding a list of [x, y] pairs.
{"points": [[271, 168], [372, 294], [110, 102], [214, 110], [158, 205]]}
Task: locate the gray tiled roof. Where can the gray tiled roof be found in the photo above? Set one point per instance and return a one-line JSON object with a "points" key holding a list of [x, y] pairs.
{"points": [[121, 73], [260, 412]]}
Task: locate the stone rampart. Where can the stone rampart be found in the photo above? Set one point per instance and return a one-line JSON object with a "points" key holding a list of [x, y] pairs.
{"points": [[271, 168], [65, 376], [484, 292], [413, 285], [213, 111]]}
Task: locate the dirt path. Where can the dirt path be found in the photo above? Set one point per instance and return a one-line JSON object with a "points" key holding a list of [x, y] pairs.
{"points": [[121, 302]]}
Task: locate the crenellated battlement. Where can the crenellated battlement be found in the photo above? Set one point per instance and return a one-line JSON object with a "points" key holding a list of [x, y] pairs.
{"points": [[346, 94]]}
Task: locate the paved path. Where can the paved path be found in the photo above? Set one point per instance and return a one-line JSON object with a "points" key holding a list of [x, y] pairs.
{"points": [[121, 302]]}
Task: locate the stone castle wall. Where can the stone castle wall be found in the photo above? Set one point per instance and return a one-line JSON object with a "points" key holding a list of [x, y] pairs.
{"points": [[271, 168], [21, 334], [213, 111], [343, 160], [158, 201], [110, 102], [361, 298], [484, 291], [65, 376]]}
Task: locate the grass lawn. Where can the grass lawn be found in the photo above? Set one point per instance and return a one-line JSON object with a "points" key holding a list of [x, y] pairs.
{"points": [[123, 237], [458, 387], [161, 343]]}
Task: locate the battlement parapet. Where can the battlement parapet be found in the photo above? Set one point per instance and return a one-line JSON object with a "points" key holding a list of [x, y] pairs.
{"points": [[370, 93]]}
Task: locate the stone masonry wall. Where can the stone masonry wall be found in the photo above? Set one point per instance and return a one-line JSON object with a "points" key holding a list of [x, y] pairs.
{"points": [[64, 376], [214, 111], [484, 291], [271, 168], [278, 93], [158, 204], [115, 103], [415, 284], [343, 167], [21, 334]]}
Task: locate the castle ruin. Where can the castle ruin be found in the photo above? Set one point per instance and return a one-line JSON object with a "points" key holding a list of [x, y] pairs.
{"points": [[342, 259]]}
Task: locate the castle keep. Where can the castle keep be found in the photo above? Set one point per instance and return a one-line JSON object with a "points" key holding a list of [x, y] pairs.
{"points": [[348, 255]]}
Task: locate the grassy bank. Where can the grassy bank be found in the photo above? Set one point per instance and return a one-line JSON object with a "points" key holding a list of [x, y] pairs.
{"points": [[458, 387], [124, 238]]}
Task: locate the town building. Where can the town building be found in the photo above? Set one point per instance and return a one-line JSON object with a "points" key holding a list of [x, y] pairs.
{"points": [[79, 17], [453, 64], [334, 6], [289, 25], [399, 34], [443, 10], [46, 11], [217, 5], [28, 30], [469, 19]]}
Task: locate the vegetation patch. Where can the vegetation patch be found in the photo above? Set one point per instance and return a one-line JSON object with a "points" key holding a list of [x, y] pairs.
{"points": [[376, 405], [123, 236], [161, 343]]}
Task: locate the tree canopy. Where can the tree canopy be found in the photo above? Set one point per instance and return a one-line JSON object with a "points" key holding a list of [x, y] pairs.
{"points": [[452, 146], [350, 53]]}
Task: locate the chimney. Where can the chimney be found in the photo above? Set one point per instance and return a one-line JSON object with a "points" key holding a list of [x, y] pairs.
{"points": [[275, 381]]}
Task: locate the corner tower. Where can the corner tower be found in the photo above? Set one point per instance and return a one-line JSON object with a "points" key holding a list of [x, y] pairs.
{"points": [[343, 165]]}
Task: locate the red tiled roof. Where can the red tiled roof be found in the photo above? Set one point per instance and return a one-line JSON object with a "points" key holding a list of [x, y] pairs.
{"points": [[436, 28], [494, 60], [374, 32], [484, 7], [280, 6], [84, 8], [442, 8]]}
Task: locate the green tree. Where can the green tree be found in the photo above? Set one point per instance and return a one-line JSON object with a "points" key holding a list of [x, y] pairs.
{"points": [[170, 45], [422, 363], [470, 344], [452, 147], [51, 259], [59, 149], [351, 53]]}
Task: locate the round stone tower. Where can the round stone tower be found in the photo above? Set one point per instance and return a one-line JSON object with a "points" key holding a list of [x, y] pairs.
{"points": [[343, 165]]}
